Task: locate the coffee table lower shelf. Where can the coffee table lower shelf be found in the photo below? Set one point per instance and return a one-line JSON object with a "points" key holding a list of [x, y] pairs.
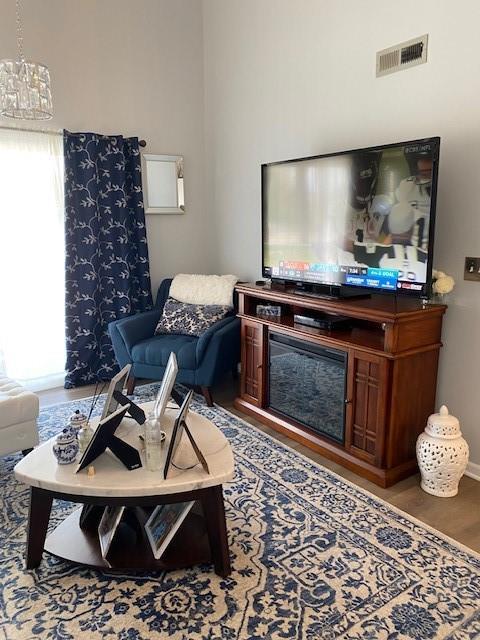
{"points": [[130, 549], [202, 536]]}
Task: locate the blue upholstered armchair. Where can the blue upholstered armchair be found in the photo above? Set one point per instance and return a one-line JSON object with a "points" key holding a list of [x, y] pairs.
{"points": [[201, 361]]}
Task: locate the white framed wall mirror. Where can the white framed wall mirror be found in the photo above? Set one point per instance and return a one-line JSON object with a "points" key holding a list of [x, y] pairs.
{"points": [[163, 183]]}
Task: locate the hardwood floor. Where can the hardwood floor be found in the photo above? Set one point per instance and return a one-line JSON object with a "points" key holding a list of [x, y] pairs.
{"points": [[457, 517]]}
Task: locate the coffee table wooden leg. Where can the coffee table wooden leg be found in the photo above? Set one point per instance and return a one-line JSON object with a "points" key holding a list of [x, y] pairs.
{"points": [[38, 518], [214, 512]]}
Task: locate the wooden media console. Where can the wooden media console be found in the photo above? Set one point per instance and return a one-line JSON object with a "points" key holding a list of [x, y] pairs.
{"points": [[391, 346]]}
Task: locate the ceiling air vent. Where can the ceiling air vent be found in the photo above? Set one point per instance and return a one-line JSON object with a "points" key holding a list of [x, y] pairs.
{"points": [[402, 56]]}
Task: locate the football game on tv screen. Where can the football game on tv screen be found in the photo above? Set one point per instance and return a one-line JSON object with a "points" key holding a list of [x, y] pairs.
{"points": [[361, 218]]}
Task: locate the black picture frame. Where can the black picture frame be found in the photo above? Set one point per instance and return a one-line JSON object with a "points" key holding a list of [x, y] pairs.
{"points": [[104, 438], [117, 383]]}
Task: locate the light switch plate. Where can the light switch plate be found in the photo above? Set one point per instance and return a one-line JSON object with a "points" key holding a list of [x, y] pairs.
{"points": [[472, 269]]}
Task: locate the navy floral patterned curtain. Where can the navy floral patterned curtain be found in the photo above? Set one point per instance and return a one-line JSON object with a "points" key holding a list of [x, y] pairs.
{"points": [[107, 269]]}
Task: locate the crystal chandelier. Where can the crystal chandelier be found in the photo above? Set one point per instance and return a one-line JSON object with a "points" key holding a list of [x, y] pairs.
{"points": [[24, 86]]}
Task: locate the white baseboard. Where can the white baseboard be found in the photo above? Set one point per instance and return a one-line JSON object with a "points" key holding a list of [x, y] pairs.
{"points": [[473, 471]]}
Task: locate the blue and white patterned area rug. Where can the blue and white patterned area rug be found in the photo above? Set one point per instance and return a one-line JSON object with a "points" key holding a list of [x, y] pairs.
{"points": [[314, 558]]}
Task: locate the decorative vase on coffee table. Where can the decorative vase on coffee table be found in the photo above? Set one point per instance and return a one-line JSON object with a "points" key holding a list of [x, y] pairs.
{"points": [[65, 447], [442, 454]]}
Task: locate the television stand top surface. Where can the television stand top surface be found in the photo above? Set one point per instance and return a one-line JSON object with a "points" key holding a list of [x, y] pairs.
{"points": [[376, 307]]}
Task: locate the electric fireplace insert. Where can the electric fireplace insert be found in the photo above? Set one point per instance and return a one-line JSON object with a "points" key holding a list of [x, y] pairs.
{"points": [[307, 384]]}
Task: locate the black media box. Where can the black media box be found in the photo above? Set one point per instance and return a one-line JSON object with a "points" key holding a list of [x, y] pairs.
{"points": [[328, 322]]}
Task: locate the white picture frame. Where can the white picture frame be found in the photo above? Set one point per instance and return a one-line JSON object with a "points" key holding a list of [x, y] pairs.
{"points": [[165, 390], [163, 184], [117, 383], [177, 432], [107, 527], [163, 524]]}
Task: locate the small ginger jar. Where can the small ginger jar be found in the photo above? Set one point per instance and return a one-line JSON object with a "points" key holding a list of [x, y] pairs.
{"points": [[78, 420], [442, 454], [65, 447]]}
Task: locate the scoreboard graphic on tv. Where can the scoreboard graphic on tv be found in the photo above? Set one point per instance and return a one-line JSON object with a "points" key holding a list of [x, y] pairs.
{"points": [[330, 273]]}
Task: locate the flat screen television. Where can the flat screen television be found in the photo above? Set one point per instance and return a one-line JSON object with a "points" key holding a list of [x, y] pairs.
{"points": [[351, 221]]}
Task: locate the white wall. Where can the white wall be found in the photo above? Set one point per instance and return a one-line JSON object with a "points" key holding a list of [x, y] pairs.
{"points": [[269, 80], [132, 68], [290, 78]]}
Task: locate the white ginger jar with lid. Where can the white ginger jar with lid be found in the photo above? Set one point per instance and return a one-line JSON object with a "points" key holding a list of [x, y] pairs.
{"points": [[442, 454]]}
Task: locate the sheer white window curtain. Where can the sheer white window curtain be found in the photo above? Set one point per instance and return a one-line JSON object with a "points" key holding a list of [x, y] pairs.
{"points": [[32, 257]]}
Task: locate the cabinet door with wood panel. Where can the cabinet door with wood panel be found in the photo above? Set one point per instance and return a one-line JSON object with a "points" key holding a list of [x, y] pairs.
{"points": [[252, 378], [367, 393]]}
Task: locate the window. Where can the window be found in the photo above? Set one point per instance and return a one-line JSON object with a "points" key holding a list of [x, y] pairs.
{"points": [[32, 257]]}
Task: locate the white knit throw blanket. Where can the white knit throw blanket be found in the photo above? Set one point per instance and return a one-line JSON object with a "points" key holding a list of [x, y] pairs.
{"points": [[199, 289]]}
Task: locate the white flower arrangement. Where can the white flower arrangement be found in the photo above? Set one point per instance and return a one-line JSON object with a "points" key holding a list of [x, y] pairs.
{"points": [[442, 283]]}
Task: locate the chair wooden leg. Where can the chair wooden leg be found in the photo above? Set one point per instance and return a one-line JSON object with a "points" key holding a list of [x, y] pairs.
{"points": [[131, 385], [207, 394]]}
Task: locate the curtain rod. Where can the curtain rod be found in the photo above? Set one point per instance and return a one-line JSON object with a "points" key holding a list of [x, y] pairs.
{"points": [[56, 131], [141, 143]]}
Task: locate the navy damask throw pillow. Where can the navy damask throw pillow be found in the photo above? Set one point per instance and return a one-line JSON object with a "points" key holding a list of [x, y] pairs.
{"points": [[189, 319]]}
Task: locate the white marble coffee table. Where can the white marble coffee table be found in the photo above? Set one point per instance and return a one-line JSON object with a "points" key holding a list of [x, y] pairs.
{"points": [[202, 536]]}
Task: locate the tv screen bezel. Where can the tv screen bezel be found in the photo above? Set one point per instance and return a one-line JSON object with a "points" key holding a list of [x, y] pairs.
{"points": [[435, 141]]}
